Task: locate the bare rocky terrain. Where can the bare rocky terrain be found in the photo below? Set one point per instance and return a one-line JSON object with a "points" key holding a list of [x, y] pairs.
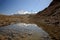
{"points": [[12, 19], [48, 19]]}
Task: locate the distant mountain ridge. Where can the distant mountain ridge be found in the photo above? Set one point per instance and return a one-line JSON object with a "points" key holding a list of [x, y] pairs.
{"points": [[22, 12]]}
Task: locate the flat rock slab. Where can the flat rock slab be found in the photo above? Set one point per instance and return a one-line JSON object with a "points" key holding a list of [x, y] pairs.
{"points": [[23, 31]]}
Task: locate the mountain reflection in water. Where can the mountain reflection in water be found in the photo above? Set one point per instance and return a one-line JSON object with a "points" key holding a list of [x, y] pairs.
{"points": [[23, 31]]}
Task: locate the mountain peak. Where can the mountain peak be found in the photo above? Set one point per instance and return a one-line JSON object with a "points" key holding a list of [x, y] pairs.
{"points": [[25, 12]]}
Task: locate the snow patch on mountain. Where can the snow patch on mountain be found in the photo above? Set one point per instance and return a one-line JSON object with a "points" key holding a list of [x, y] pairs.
{"points": [[24, 12]]}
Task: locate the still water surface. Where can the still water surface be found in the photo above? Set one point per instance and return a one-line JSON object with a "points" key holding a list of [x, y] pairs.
{"points": [[23, 31]]}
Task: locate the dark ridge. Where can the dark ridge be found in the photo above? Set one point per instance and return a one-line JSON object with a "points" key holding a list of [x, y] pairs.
{"points": [[54, 2]]}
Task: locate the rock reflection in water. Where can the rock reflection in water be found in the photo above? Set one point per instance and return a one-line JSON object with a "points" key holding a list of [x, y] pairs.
{"points": [[23, 31]]}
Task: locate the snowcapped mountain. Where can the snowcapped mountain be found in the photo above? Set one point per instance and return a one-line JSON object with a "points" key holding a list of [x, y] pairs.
{"points": [[22, 12]]}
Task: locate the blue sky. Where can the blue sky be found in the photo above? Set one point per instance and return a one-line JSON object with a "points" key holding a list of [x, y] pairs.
{"points": [[12, 6]]}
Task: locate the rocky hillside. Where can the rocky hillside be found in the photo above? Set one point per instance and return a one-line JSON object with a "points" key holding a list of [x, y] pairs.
{"points": [[49, 19], [12, 19]]}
